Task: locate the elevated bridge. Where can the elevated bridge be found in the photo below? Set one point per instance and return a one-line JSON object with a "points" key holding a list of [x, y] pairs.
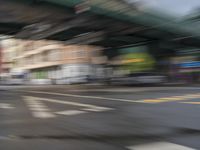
{"points": [[113, 23]]}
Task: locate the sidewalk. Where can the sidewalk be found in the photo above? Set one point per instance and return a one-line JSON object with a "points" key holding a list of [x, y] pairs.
{"points": [[92, 87], [53, 87]]}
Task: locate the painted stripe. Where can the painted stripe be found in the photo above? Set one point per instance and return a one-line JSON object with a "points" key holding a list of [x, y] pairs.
{"points": [[41, 114], [192, 96], [157, 100], [6, 106], [88, 106], [37, 106], [195, 103], [152, 101], [70, 112], [159, 146], [38, 109], [165, 99], [98, 109], [173, 98], [83, 96]]}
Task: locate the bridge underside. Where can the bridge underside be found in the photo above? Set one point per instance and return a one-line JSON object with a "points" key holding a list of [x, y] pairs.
{"points": [[43, 20]]}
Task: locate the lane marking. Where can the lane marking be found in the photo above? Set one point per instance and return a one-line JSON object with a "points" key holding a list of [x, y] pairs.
{"points": [[38, 109], [159, 146], [6, 106], [156, 100], [172, 98], [192, 96], [70, 112], [152, 101], [98, 109], [114, 90], [83, 96], [134, 90], [195, 103], [165, 99]]}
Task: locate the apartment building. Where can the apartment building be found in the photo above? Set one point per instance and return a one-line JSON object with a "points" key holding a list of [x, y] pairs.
{"points": [[54, 62], [6, 59], [46, 61]]}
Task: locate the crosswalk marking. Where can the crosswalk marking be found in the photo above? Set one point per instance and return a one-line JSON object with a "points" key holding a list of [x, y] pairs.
{"points": [[159, 146], [85, 106], [38, 109], [6, 106]]}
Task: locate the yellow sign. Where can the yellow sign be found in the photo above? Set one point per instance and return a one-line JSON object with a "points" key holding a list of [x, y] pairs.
{"points": [[133, 60]]}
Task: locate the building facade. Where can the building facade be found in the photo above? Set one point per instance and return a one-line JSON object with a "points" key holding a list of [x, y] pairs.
{"points": [[47, 62]]}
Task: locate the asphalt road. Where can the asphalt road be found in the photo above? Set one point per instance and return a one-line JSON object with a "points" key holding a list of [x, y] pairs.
{"points": [[147, 118]]}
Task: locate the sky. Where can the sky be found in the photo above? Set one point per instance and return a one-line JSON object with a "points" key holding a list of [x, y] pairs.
{"points": [[173, 7]]}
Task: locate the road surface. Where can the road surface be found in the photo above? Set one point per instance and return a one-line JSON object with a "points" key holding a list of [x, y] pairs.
{"points": [[123, 118]]}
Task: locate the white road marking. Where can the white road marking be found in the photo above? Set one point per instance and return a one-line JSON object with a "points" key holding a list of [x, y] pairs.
{"points": [[156, 100], [38, 109], [114, 90], [70, 112], [6, 106], [135, 90], [98, 109], [42, 114], [88, 106], [37, 106], [159, 146], [83, 96], [4, 138]]}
